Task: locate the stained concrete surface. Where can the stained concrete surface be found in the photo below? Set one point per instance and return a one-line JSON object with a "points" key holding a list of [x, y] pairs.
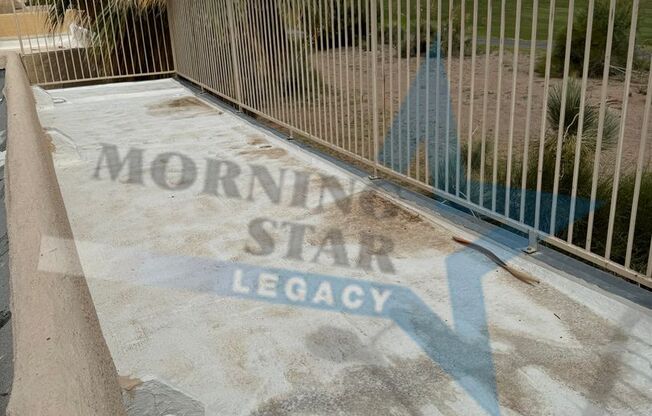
{"points": [[154, 250]]}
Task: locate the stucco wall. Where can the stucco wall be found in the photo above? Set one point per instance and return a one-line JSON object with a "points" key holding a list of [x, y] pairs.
{"points": [[62, 365]]}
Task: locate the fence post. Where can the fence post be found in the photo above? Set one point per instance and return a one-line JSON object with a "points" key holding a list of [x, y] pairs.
{"points": [[173, 43], [533, 242], [374, 75], [234, 54]]}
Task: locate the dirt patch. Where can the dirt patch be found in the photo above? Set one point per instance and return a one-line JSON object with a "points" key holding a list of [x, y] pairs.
{"points": [[264, 151], [592, 369], [373, 382], [372, 385], [371, 213], [257, 141], [184, 107]]}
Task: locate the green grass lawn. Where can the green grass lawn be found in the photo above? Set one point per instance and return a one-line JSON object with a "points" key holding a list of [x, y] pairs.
{"points": [[527, 12]]}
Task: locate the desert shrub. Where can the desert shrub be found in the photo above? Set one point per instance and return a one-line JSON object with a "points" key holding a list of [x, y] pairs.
{"points": [[409, 45], [345, 22], [605, 185], [622, 22], [567, 154], [572, 116], [566, 166], [455, 31], [642, 229], [487, 184]]}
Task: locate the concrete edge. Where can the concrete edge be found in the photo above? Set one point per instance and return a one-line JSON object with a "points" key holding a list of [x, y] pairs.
{"points": [[62, 365]]}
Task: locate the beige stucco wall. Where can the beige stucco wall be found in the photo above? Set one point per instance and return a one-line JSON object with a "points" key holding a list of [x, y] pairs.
{"points": [[27, 21], [62, 365]]}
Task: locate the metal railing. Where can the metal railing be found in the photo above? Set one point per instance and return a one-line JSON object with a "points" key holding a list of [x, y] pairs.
{"points": [[533, 114], [68, 41], [505, 107]]}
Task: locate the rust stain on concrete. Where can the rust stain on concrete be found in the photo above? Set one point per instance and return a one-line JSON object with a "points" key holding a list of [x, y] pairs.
{"points": [[371, 212], [181, 108]]}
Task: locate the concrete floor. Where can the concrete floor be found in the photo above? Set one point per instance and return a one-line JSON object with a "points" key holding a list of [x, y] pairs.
{"points": [[241, 296]]}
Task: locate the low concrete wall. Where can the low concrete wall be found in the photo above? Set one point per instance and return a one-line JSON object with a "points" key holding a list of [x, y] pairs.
{"points": [[62, 365], [29, 23]]}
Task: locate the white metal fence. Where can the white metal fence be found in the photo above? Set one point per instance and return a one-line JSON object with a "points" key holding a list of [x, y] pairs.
{"points": [[531, 113], [68, 41]]}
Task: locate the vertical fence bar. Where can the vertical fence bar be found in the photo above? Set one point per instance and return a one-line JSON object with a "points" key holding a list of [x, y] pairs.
{"points": [[360, 81], [47, 50], [70, 47], [266, 42], [427, 112], [561, 131], [314, 50], [136, 42], [63, 52], [333, 75], [152, 52], [399, 81], [649, 261], [234, 53], [351, 143], [603, 110], [200, 45], [159, 37], [623, 122], [639, 170], [374, 75], [499, 98], [279, 61], [417, 136], [248, 86], [460, 99], [485, 103], [123, 65], [300, 17], [542, 136], [18, 31], [320, 51], [580, 127], [318, 84], [528, 110], [368, 55], [289, 75], [390, 13], [301, 61], [328, 80], [437, 94], [469, 142], [172, 29], [448, 101], [342, 87], [510, 140]]}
